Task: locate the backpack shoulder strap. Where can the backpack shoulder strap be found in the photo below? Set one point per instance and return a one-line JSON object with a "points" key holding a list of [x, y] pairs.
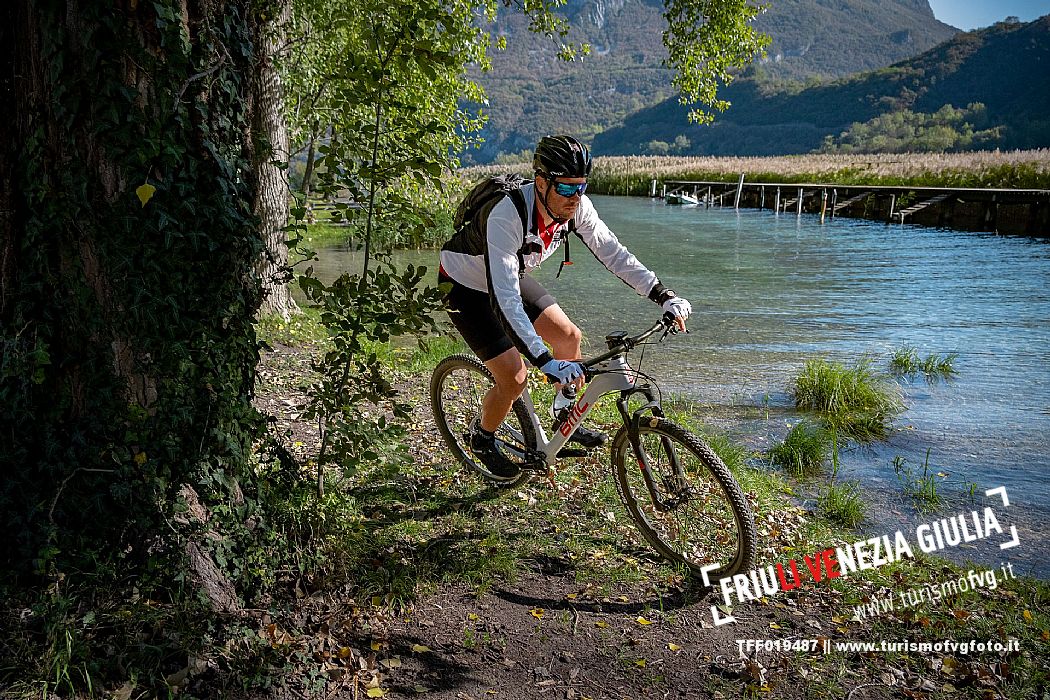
{"points": [[518, 198]]}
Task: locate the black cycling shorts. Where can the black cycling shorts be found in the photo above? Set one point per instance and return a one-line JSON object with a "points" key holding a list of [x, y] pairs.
{"points": [[471, 313]]}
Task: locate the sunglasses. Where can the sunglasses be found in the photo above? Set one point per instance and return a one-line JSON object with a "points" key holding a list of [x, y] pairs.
{"points": [[566, 189]]}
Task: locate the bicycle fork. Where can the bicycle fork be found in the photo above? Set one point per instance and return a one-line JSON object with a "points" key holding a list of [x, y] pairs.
{"points": [[632, 421]]}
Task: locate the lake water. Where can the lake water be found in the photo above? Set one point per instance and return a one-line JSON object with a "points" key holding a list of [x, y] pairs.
{"points": [[771, 291]]}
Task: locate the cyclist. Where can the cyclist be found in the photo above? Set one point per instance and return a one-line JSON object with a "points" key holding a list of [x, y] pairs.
{"points": [[503, 313]]}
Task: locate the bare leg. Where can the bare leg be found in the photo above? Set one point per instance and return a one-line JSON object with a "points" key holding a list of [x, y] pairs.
{"points": [[562, 334], [509, 370]]}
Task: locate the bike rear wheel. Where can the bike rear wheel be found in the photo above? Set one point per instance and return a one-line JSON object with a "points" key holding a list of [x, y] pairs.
{"points": [[695, 514], [457, 387]]}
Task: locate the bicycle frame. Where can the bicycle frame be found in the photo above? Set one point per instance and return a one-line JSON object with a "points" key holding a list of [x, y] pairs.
{"points": [[606, 376]]}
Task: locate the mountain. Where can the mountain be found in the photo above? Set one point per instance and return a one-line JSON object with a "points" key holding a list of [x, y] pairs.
{"points": [[1005, 67], [531, 92]]}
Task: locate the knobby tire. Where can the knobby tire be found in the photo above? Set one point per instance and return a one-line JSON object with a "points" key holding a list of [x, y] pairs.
{"points": [[709, 521], [457, 387]]}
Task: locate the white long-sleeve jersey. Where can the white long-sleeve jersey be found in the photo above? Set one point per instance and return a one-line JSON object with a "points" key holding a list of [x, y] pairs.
{"points": [[493, 259]]}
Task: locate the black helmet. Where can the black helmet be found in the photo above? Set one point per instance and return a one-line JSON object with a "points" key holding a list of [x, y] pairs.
{"points": [[561, 156]]}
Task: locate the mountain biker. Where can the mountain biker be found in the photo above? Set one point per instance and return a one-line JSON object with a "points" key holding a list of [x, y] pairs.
{"points": [[503, 313]]}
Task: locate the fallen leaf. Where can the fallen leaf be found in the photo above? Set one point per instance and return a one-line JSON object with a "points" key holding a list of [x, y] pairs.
{"points": [[376, 646], [601, 623], [537, 613], [420, 648], [673, 647], [774, 626], [642, 621], [375, 693], [640, 663], [1027, 615]]}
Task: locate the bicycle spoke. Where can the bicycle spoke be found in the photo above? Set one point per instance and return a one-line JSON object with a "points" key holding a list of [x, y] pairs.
{"points": [[697, 521]]}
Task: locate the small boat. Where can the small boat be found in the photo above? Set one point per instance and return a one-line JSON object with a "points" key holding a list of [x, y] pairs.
{"points": [[680, 198]]}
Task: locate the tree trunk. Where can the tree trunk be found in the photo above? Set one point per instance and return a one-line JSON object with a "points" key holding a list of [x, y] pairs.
{"points": [[272, 195], [127, 257]]}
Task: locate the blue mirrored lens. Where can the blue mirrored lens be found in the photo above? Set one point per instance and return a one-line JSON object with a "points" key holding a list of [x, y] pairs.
{"points": [[566, 189]]}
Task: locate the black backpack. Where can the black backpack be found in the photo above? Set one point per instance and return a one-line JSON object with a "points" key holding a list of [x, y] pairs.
{"points": [[484, 195], [475, 207]]}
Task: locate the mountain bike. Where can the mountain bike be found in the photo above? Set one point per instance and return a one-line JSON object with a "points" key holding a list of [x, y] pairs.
{"points": [[679, 493]]}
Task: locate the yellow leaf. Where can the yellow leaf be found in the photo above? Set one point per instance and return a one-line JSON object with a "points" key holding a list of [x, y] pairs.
{"points": [[774, 626], [140, 458], [145, 192], [472, 617], [375, 693], [601, 623], [673, 647], [1027, 615], [376, 601], [640, 663], [1046, 635], [537, 613], [376, 646], [420, 648], [344, 652], [642, 621], [571, 596]]}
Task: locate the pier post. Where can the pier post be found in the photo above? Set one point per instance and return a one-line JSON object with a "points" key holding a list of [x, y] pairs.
{"points": [[834, 200], [739, 189], [762, 197], [707, 199], [799, 207], [652, 189], [663, 191], [823, 204], [893, 204], [776, 206]]}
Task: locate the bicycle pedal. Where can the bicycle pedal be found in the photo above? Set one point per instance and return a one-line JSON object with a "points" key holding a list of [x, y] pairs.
{"points": [[573, 452]]}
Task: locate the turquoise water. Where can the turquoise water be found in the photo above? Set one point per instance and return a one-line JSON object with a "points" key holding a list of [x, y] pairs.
{"points": [[771, 291]]}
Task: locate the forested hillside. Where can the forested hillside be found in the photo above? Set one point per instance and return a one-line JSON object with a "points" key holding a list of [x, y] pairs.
{"points": [[531, 92], [1000, 76]]}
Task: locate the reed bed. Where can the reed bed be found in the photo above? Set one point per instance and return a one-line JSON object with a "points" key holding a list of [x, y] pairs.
{"points": [[987, 169]]}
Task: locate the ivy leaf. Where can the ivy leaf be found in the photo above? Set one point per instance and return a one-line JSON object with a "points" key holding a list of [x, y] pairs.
{"points": [[145, 192]]}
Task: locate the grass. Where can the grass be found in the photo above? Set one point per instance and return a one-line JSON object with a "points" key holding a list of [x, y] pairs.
{"points": [[804, 450], [841, 503], [855, 401], [920, 489], [905, 361], [396, 533]]}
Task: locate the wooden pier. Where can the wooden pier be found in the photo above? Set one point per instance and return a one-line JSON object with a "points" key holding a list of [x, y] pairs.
{"points": [[1002, 210]]}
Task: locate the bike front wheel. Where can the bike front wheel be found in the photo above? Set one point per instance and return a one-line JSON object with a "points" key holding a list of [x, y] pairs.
{"points": [[457, 388], [691, 510]]}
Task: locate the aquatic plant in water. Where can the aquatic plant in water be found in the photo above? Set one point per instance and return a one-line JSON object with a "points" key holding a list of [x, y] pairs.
{"points": [[854, 401]]}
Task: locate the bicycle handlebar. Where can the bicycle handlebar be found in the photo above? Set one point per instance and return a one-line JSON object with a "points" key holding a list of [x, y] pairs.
{"points": [[619, 344]]}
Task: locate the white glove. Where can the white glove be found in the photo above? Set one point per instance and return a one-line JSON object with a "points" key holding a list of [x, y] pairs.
{"points": [[562, 371], [678, 307]]}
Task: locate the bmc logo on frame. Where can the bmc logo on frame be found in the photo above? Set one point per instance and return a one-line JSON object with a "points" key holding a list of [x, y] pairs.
{"points": [[573, 418]]}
